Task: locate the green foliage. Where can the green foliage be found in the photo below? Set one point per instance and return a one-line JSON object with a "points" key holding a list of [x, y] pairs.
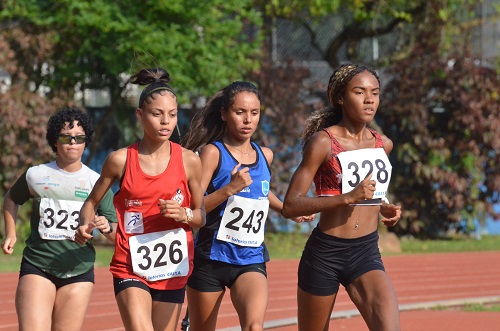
{"points": [[198, 42], [442, 110], [49, 48]]}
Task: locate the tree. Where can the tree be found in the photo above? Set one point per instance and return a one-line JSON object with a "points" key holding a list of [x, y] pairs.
{"points": [[23, 110], [343, 30], [94, 44], [442, 110], [454, 178]]}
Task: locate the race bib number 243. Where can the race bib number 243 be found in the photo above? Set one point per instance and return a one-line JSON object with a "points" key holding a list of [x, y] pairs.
{"points": [[243, 221]]}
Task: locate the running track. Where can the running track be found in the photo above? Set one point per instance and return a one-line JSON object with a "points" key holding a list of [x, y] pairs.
{"points": [[421, 281]]}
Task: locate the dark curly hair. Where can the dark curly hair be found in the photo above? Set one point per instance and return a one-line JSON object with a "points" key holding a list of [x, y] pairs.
{"points": [[68, 115]]}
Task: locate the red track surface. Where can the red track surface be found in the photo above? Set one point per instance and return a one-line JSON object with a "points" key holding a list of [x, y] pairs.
{"points": [[421, 281]]}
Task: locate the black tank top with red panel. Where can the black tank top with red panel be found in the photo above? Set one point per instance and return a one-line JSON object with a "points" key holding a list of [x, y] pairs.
{"points": [[328, 178]]}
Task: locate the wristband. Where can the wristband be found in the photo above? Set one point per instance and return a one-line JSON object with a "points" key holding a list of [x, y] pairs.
{"points": [[189, 215], [110, 229]]}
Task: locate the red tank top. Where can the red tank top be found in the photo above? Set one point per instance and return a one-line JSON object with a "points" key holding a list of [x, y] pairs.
{"points": [[139, 193], [328, 178]]}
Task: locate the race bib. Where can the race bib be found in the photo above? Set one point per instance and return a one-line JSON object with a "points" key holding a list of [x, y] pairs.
{"points": [[160, 255], [358, 164], [58, 218], [243, 221]]}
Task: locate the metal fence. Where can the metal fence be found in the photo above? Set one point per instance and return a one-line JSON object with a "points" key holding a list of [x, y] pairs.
{"points": [[292, 41]]}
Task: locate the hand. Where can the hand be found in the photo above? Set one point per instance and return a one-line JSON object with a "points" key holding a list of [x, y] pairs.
{"points": [[8, 245], [172, 209], [239, 179], [83, 233], [102, 224], [302, 219], [364, 190], [390, 213]]}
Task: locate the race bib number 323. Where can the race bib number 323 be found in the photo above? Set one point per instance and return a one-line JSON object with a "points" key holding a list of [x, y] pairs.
{"points": [[58, 218]]}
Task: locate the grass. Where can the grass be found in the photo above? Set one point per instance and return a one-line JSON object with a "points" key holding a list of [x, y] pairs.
{"points": [[459, 244], [290, 246], [11, 263], [477, 307], [471, 307]]}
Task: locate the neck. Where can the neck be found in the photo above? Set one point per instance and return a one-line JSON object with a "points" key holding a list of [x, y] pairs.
{"points": [[240, 148], [148, 148], [356, 133], [69, 166]]}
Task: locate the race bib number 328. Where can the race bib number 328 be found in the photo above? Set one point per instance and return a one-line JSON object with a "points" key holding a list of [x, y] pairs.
{"points": [[358, 164]]}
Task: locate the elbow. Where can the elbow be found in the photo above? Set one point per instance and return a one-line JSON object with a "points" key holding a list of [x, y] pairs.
{"points": [[285, 211], [203, 222]]}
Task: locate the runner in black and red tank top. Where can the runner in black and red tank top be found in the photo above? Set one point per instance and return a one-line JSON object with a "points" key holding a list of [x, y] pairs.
{"points": [[328, 177], [348, 163]]}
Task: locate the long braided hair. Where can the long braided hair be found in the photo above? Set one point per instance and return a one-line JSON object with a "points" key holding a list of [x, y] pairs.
{"points": [[337, 85]]}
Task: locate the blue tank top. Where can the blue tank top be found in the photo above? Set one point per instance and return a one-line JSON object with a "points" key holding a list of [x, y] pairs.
{"points": [[207, 245]]}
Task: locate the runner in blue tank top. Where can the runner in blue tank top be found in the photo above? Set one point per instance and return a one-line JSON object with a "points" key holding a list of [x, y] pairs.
{"points": [[230, 250]]}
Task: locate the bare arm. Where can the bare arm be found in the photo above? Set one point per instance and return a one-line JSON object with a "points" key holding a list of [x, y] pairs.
{"points": [[112, 170], [390, 213], [10, 209], [192, 164], [274, 203]]}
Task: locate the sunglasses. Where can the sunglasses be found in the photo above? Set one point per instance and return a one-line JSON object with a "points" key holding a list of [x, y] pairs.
{"points": [[66, 139]]}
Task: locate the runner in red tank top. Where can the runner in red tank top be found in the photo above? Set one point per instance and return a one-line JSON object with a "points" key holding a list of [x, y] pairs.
{"points": [[159, 200]]}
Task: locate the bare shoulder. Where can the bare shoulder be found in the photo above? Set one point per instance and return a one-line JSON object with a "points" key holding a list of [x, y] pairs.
{"points": [[209, 155], [117, 158], [189, 156], [115, 163], [388, 145], [210, 151], [268, 153], [320, 141], [192, 163]]}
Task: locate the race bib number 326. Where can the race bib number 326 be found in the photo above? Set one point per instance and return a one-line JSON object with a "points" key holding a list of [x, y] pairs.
{"points": [[160, 255]]}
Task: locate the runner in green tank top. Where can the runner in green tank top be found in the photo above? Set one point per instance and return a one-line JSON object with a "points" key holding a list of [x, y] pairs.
{"points": [[57, 274]]}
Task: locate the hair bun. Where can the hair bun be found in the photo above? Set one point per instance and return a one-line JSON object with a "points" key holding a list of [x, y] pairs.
{"points": [[150, 75]]}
